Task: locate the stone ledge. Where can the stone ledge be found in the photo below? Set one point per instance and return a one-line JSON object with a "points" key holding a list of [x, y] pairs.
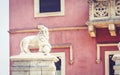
{"points": [[34, 56]]}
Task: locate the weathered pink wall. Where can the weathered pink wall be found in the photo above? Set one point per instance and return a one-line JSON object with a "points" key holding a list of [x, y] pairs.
{"points": [[76, 14], [22, 14]]}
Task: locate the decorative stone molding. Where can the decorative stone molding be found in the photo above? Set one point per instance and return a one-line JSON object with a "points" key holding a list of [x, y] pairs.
{"points": [[104, 14], [98, 10], [116, 59], [107, 59], [37, 7], [61, 55], [70, 50], [16, 31], [98, 60], [112, 29], [116, 67], [66, 45], [92, 30]]}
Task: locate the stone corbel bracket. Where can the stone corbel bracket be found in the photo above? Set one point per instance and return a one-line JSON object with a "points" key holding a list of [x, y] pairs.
{"points": [[98, 60], [112, 29], [92, 31], [66, 46]]}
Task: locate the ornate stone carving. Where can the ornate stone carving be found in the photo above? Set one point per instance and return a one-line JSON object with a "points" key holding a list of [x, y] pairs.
{"points": [[104, 9], [117, 7], [41, 41], [39, 63], [101, 9], [116, 59], [104, 14]]}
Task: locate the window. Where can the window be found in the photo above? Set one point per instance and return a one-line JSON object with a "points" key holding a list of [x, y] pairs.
{"points": [[109, 63], [60, 65], [45, 8]]}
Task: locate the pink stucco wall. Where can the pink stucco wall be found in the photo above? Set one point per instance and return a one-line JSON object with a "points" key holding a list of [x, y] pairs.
{"points": [[22, 14], [76, 14]]}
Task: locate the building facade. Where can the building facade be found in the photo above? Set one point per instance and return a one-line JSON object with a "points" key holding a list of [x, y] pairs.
{"points": [[79, 33]]}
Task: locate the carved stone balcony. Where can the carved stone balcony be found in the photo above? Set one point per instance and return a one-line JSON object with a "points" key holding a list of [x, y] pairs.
{"points": [[103, 14]]}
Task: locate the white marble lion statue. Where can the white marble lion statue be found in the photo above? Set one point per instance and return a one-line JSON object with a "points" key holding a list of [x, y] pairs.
{"points": [[41, 41]]}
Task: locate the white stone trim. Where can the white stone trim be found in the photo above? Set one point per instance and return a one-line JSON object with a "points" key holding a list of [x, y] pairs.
{"points": [[107, 53], [70, 50], [98, 60], [37, 14], [62, 56]]}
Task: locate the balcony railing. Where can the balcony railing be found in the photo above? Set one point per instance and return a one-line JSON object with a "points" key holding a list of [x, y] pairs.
{"points": [[103, 14]]}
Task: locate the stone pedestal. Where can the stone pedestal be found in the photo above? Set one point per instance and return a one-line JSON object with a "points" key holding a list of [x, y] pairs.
{"points": [[33, 64], [116, 67]]}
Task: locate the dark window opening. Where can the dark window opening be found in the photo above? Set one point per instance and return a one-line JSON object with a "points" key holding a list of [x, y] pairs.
{"points": [[49, 6], [111, 64], [58, 64]]}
